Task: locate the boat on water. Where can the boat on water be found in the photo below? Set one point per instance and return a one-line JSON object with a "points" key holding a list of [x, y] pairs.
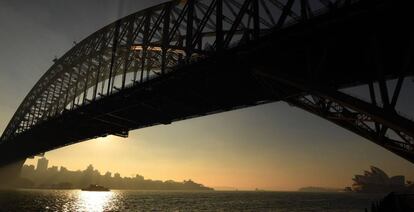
{"points": [[93, 187]]}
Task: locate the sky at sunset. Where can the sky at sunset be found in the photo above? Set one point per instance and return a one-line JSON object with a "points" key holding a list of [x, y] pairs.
{"points": [[273, 146]]}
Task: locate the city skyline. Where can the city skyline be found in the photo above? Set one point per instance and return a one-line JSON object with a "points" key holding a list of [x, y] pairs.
{"points": [[269, 146], [54, 177]]}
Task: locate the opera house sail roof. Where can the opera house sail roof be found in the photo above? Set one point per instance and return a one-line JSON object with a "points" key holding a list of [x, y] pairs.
{"points": [[376, 180]]}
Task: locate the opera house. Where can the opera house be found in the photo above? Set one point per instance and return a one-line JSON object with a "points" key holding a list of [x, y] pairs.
{"points": [[377, 181]]}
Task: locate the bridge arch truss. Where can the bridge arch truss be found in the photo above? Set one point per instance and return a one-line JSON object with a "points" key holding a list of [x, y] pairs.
{"points": [[160, 40]]}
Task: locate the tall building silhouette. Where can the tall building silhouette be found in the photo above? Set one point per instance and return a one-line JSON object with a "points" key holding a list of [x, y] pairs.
{"points": [[42, 164]]}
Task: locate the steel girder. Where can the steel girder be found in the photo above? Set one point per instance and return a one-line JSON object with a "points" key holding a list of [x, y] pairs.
{"points": [[385, 64], [351, 113], [160, 40], [375, 120], [150, 43]]}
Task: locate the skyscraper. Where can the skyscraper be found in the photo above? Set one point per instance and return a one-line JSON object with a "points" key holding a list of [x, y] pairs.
{"points": [[42, 164]]}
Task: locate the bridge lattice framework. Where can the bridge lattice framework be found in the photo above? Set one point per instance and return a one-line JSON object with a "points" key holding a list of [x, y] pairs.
{"points": [[160, 40]]}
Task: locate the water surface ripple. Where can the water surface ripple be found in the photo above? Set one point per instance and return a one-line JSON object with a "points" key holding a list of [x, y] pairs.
{"points": [[76, 200]]}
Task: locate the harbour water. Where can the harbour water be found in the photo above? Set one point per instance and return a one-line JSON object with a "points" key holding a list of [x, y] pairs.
{"points": [[76, 200]]}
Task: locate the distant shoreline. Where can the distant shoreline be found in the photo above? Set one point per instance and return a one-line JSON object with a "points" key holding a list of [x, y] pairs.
{"points": [[320, 189]]}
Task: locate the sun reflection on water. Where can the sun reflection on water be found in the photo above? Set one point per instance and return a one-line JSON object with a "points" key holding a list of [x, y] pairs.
{"points": [[94, 200]]}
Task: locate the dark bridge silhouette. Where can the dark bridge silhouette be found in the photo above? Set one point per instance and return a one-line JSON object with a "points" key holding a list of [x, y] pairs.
{"points": [[185, 59]]}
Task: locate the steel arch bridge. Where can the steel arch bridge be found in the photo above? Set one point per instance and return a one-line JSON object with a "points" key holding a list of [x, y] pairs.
{"points": [[183, 59]]}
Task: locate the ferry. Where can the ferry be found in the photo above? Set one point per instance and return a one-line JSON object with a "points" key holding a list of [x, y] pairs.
{"points": [[93, 187]]}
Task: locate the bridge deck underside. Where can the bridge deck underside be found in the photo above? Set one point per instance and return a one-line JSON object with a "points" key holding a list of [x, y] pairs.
{"points": [[168, 99]]}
